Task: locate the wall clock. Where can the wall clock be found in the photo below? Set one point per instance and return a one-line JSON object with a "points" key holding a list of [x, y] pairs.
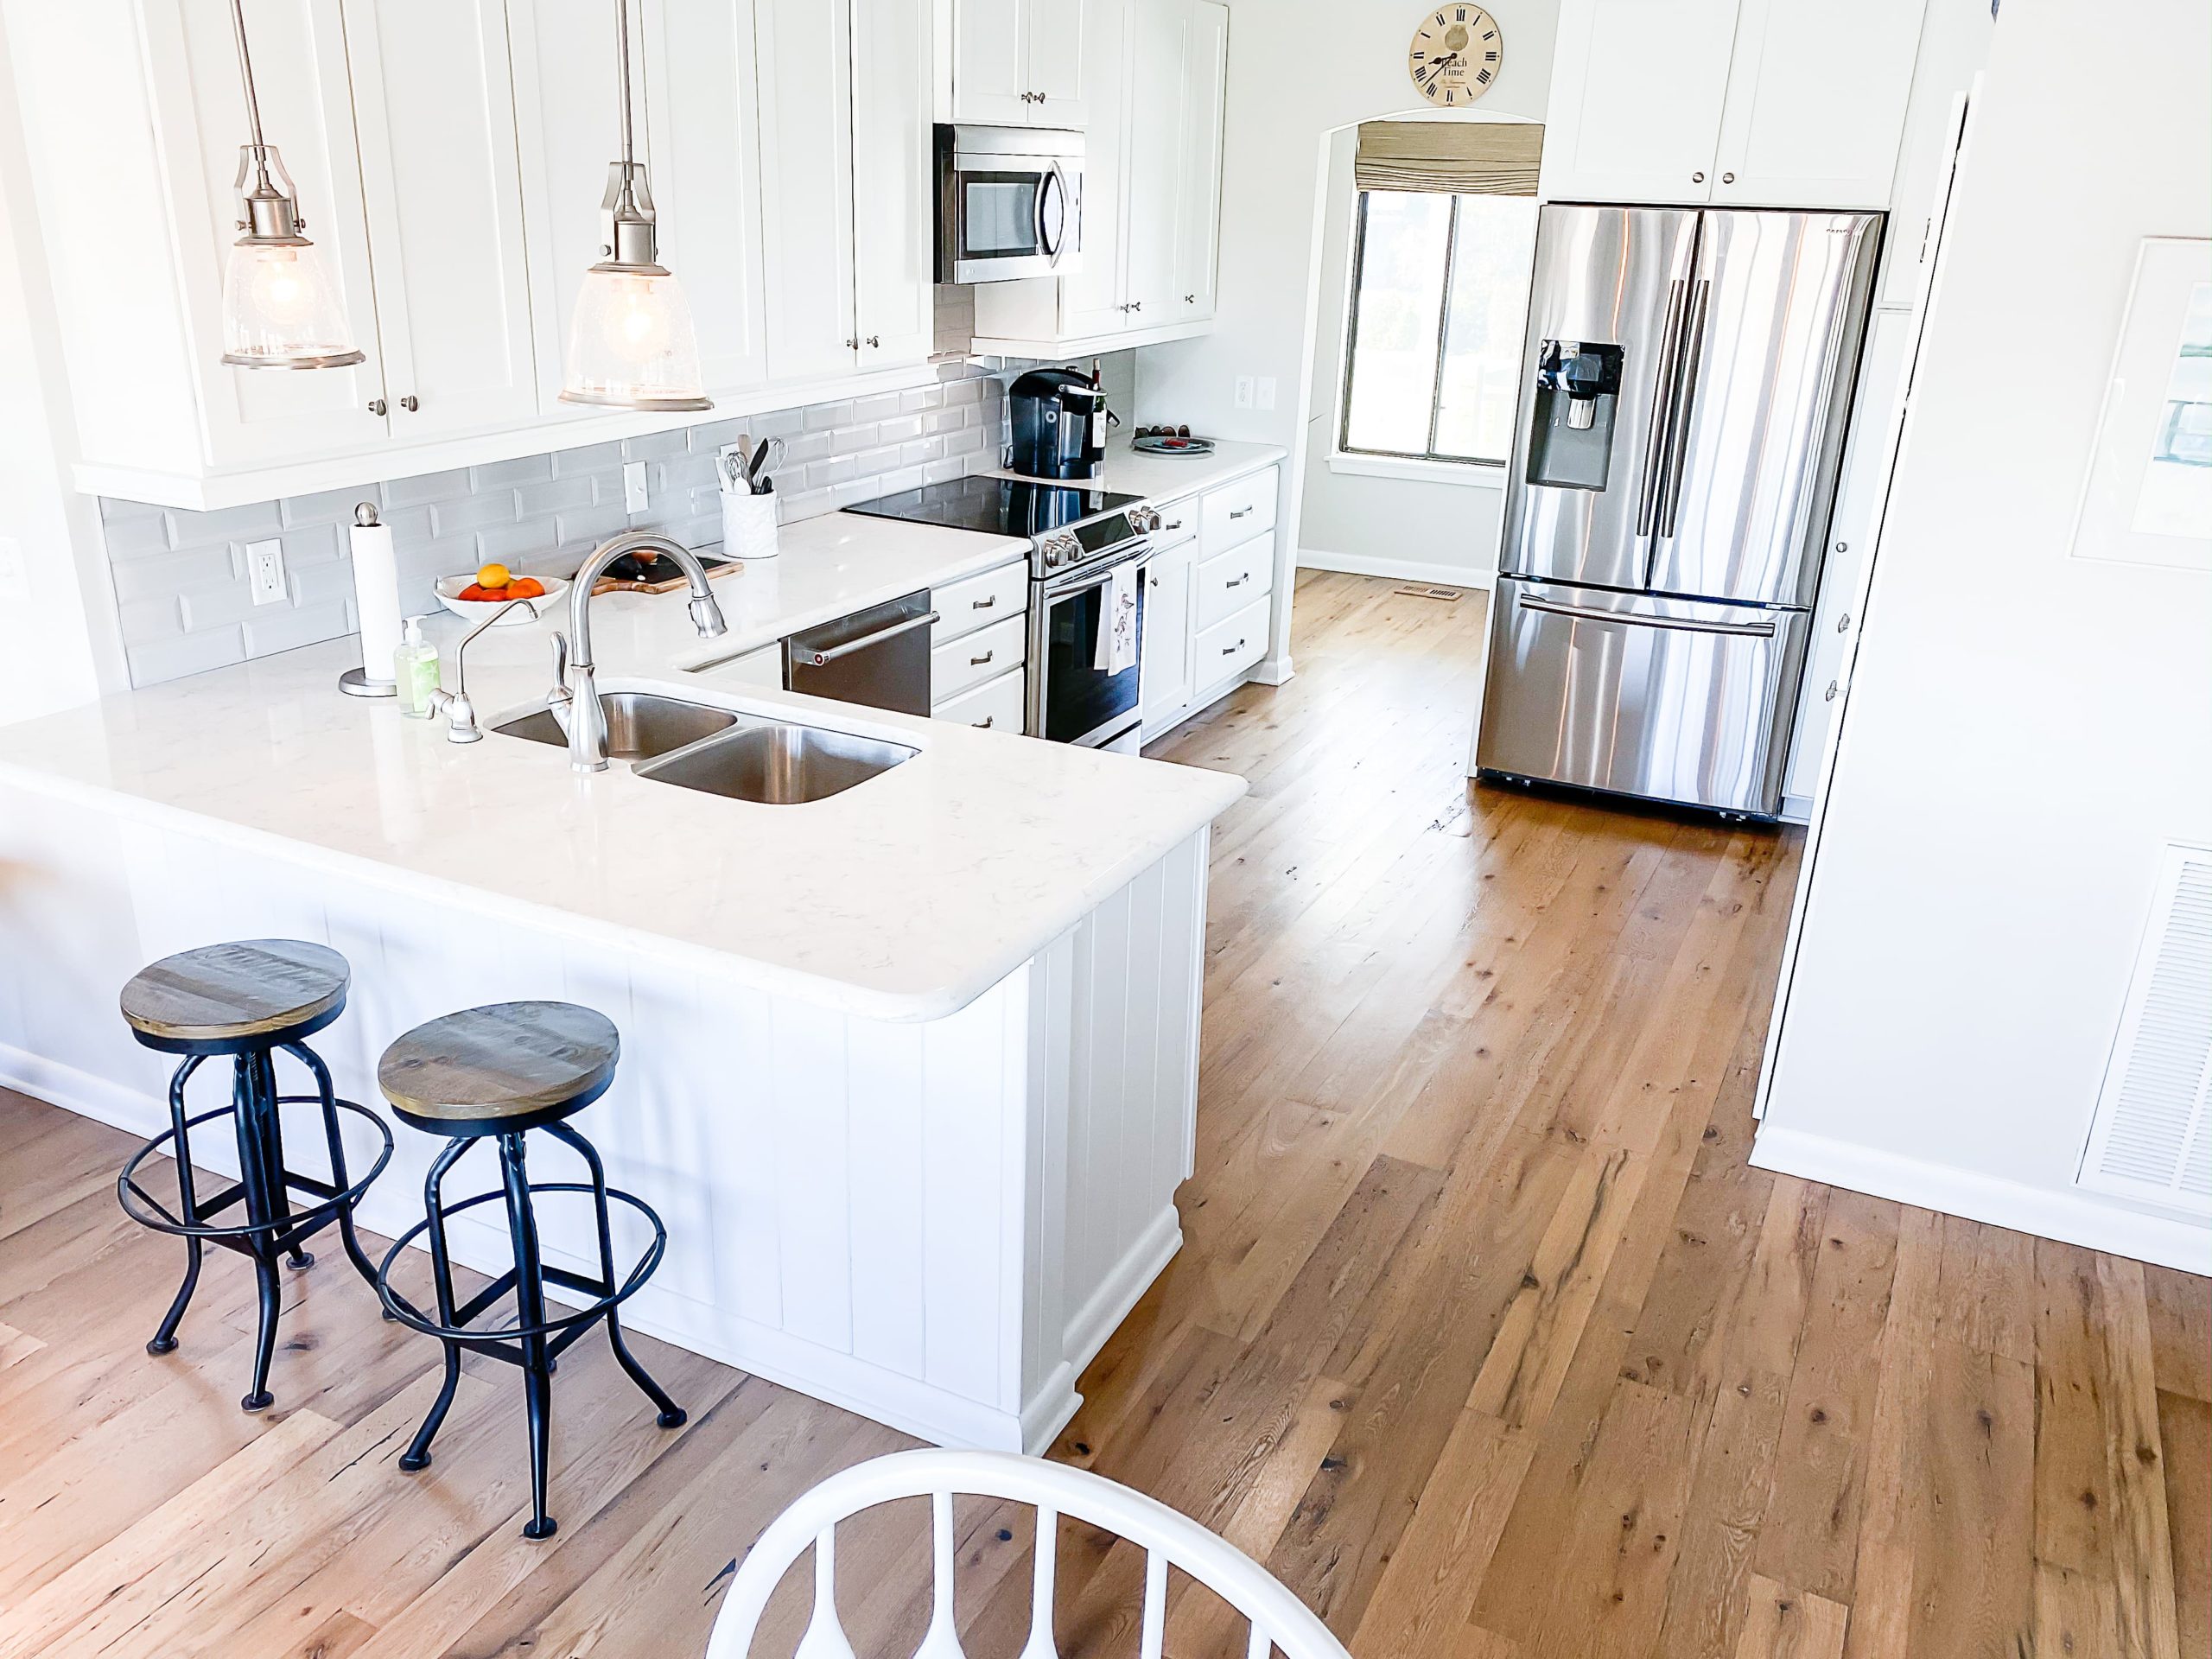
{"points": [[1456, 54]]}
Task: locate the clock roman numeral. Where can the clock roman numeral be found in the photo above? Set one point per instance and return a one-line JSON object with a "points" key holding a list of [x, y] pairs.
{"points": [[1439, 20], [1489, 56], [1482, 75], [1450, 97]]}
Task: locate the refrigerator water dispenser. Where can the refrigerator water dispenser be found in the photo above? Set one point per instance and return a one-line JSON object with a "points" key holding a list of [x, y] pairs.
{"points": [[1571, 434]]}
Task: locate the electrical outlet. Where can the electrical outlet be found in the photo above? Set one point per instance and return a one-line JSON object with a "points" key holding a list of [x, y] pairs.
{"points": [[633, 486], [1266, 391], [264, 570], [1243, 391]]}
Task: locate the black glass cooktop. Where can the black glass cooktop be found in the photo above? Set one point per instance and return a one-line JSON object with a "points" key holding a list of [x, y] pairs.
{"points": [[997, 506]]}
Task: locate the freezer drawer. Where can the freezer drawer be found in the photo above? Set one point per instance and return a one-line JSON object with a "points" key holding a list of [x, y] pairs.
{"points": [[1671, 700]]}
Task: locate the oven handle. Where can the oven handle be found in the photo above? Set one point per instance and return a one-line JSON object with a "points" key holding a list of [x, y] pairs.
{"points": [[824, 658], [1089, 576]]}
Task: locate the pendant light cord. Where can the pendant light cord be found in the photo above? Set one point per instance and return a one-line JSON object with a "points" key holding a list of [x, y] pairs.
{"points": [[252, 100], [622, 58]]}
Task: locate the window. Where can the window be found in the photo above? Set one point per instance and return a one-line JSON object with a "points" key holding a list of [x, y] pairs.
{"points": [[1439, 297]]}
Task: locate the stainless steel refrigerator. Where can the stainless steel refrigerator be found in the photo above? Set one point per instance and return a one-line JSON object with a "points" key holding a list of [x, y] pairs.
{"points": [[1687, 379]]}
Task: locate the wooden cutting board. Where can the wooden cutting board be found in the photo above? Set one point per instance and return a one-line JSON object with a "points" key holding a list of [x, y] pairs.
{"points": [[659, 574]]}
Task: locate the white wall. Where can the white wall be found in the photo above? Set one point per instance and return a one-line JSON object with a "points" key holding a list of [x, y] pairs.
{"points": [[1298, 69], [2025, 729], [58, 642], [1418, 528]]}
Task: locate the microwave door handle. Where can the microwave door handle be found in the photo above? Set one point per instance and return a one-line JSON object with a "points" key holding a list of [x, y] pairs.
{"points": [[1053, 247], [1662, 405]]}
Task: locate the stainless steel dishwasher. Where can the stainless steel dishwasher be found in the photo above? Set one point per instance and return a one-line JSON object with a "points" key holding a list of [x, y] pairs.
{"points": [[880, 657]]}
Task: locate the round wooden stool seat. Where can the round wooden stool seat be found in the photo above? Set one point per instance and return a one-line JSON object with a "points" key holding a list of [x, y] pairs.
{"points": [[501, 1069], [245, 994]]}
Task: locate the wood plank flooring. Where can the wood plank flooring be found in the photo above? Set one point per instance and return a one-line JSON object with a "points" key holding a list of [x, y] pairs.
{"points": [[1484, 1337]]}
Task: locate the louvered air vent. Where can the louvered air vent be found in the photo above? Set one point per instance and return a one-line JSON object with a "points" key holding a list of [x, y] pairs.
{"points": [[2151, 1137]]}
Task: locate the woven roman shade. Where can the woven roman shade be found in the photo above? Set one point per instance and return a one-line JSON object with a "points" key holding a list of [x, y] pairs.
{"points": [[1488, 158]]}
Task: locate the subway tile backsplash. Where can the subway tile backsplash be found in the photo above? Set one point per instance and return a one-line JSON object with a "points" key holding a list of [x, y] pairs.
{"points": [[180, 577]]}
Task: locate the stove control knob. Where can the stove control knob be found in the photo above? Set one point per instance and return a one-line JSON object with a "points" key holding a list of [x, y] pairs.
{"points": [[1060, 549], [1143, 520]]}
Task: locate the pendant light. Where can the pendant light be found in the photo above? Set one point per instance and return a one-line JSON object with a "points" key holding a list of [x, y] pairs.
{"points": [[280, 308], [631, 343]]}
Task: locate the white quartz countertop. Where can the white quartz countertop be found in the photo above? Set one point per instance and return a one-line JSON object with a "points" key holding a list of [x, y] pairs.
{"points": [[1170, 478], [902, 898]]}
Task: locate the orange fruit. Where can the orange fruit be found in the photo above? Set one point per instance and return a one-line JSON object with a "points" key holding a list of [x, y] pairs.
{"points": [[494, 576]]}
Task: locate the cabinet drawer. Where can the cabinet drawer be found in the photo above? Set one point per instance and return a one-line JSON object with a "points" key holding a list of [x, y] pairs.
{"points": [[974, 658], [1231, 647], [975, 602], [998, 705], [1230, 581], [1237, 512], [1178, 522]]}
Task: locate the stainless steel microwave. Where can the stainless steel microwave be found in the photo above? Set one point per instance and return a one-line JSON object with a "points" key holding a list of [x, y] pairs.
{"points": [[1009, 203]]}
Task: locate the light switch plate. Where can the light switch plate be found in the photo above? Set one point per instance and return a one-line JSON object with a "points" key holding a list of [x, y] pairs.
{"points": [[264, 572], [633, 486], [1266, 391]]}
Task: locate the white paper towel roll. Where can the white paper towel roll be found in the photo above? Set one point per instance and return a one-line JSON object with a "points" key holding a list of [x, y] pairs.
{"points": [[375, 596]]}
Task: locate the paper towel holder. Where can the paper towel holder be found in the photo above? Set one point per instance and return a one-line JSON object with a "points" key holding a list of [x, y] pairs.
{"points": [[355, 681]]}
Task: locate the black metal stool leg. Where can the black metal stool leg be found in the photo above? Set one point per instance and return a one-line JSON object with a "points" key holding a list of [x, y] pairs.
{"points": [[265, 1067], [417, 1455], [256, 1176], [336, 1143], [164, 1340], [672, 1415], [530, 1309]]}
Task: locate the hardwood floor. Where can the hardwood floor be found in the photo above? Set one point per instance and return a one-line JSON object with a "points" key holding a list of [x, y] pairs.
{"points": [[1484, 1337]]}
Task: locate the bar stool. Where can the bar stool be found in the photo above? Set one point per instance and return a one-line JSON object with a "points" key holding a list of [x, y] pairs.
{"points": [[496, 1073], [247, 999]]}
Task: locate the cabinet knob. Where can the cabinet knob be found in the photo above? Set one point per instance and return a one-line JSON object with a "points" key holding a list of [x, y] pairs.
{"points": [[1697, 178], [410, 403], [1137, 305], [1828, 696], [1843, 623], [1843, 547], [376, 405], [985, 723], [1190, 299], [1727, 178], [875, 342]]}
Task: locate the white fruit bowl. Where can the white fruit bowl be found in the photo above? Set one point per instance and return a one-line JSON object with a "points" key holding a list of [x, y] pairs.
{"points": [[475, 610]]}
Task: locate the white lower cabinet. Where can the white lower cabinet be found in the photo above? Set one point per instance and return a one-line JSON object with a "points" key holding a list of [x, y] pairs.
{"points": [[1166, 654], [973, 657], [1230, 646], [1208, 599], [1230, 582], [999, 705]]}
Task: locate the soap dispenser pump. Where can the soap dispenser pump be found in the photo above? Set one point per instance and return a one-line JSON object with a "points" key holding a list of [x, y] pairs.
{"points": [[415, 671]]}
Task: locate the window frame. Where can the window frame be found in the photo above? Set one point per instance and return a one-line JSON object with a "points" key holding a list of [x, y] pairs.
{"points": [[1381, 459]]}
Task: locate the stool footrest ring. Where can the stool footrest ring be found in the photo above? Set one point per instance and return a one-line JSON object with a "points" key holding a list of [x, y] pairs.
{"points": [[148, 1211], [562, 1329]]}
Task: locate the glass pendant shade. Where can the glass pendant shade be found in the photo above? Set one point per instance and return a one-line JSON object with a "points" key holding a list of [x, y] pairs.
{"points": [[281, 310], [631, 343]]}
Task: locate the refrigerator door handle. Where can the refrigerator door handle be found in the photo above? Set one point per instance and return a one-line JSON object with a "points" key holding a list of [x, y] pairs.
{"points": [[1662, 402], [1678, 422], [1638, 619]]}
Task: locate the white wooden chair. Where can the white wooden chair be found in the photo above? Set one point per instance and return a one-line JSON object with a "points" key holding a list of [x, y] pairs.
{"points": [[1278, 1618]]}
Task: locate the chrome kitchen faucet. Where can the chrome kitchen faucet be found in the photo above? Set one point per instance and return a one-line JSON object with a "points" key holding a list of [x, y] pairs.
{"points": [[574, 697]]}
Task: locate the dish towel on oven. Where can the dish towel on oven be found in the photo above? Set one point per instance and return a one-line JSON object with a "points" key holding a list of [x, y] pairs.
{"points": [[1117, 622]]}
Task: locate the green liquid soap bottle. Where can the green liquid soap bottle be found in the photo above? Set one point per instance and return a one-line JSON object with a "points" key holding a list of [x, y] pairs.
{"points": [[414, 669]]}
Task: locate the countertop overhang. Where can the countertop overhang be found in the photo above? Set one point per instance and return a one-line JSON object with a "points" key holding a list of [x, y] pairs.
{"points": [[901, 899]]}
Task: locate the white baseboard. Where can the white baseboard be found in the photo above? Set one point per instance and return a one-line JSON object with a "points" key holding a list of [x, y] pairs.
{"points": [[2082, 1218], [1358, 564], [111, 1104], [1796, 809]]}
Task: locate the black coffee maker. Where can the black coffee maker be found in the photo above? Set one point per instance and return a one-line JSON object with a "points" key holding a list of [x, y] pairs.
{"points": [[1059, 425]]}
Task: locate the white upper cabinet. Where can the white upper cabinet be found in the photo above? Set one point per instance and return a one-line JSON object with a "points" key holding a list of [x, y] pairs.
{"points": [[1154, 75], [1749, 103], [1198, 223], [893, 204], [434, 110], [1019, 63], [845, 185]]}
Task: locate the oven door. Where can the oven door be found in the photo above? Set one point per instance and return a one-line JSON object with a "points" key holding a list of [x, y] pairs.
{"points": [[1071, 699], [1002, 216]]}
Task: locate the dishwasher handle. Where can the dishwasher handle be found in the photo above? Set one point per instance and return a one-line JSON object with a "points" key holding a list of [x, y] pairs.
{"points": [[834, 654]]}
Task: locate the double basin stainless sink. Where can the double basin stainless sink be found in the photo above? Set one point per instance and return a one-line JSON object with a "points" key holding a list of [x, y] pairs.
{"points": [[744, 757]]}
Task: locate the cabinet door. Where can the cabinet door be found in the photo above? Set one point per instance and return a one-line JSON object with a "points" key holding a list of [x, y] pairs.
{"points": [[1816, 102], [893, 205], [1167, 658], [1637, 88], [990, 65], [1154, 133], [1198, 222], [434, 104], [1092, 295], [1054, 51], [254, 417], [806, 186], [702, 107], [566, 118]]}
